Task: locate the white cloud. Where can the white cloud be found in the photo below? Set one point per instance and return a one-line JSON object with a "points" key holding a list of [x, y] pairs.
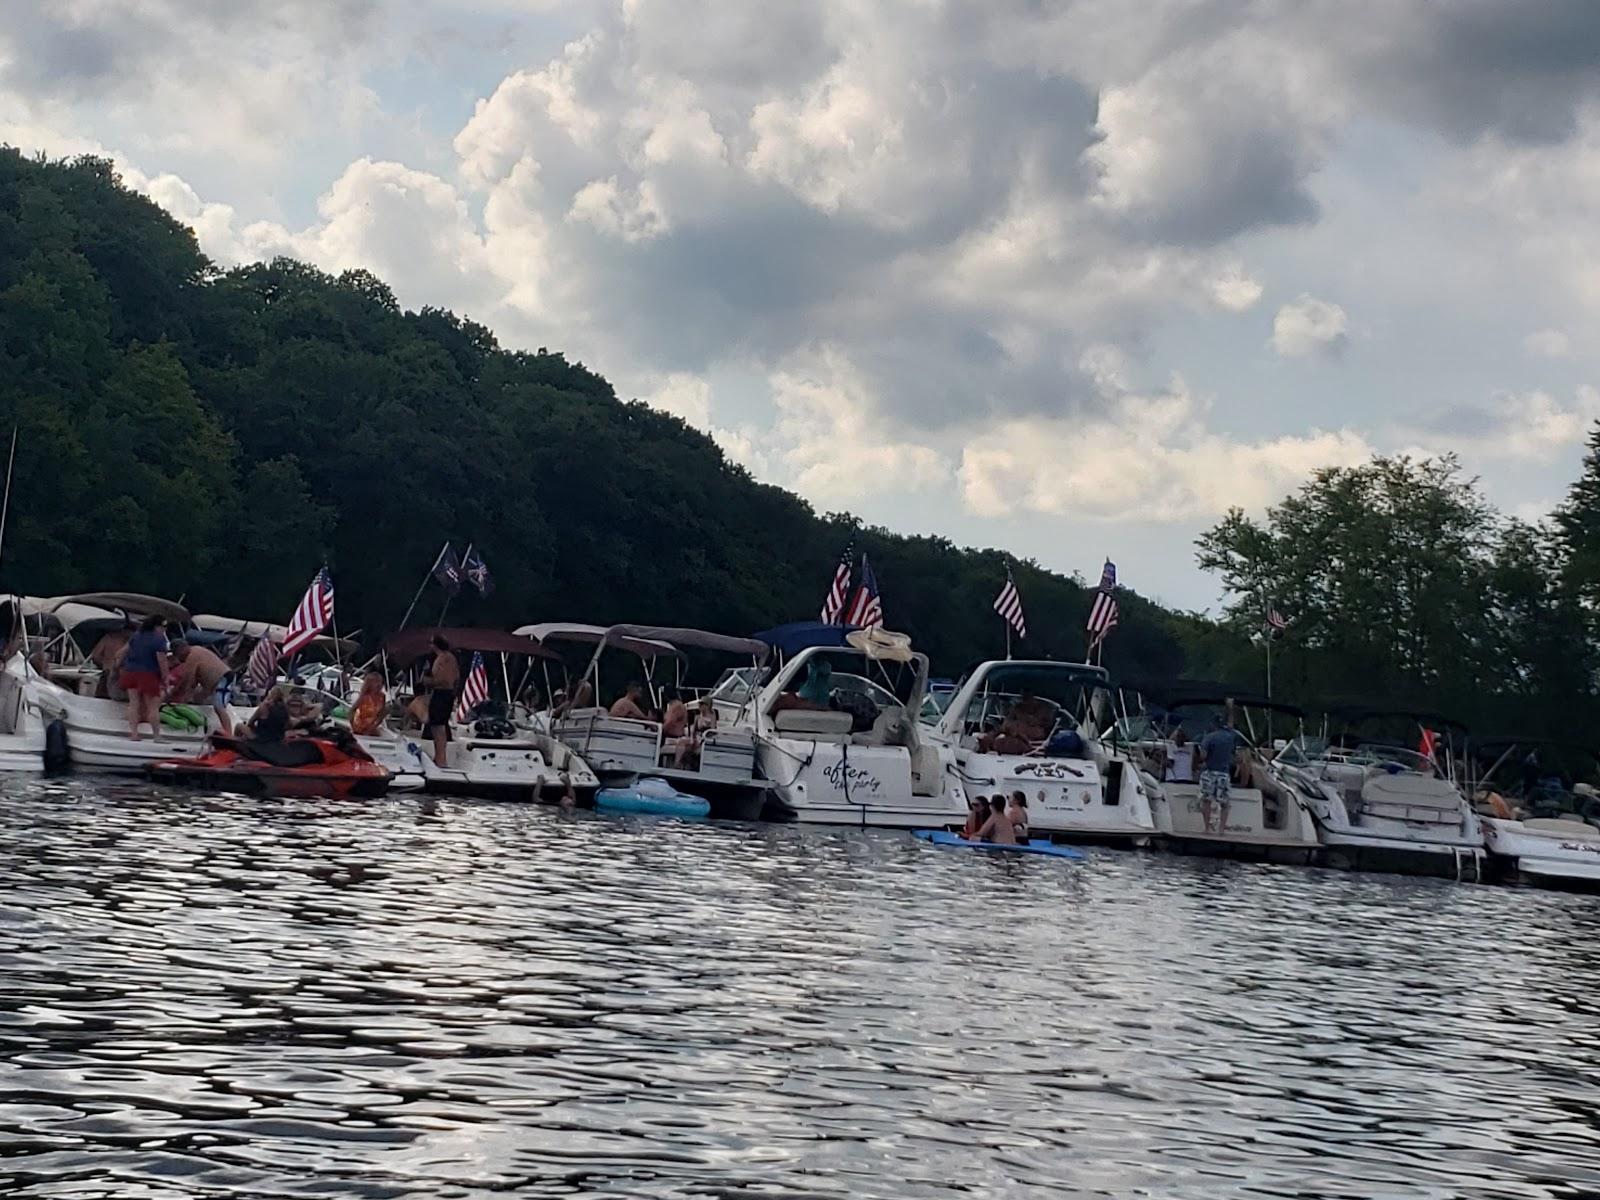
{"points": [[1547, 343], [633, 216], [1235, 291], [683, 395], [1309, 326], [1530, 426]]}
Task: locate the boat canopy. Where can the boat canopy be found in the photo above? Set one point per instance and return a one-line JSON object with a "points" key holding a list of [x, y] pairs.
{"points": [[694, 639], [408, 645], [239, 626], [132, 603], [1356, 714], [796, 636], [593, 635]]}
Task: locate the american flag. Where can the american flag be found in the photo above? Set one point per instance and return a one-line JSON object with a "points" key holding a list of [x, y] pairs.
{"points": [[1276, 621], [1103, 615], [313, 615], [833, 606], [1009, 605], [866, 610], [263, 667], [475, 691]]}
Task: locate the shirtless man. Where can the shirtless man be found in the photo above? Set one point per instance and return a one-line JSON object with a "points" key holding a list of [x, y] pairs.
{"points": [[627, 705], [201, 675], [443, 677], [999, 828], [1027, 724]]}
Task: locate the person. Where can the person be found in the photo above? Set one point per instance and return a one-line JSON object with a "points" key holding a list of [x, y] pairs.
{"points": [[304, 715], [977, 814], [1180, 760], [144, 668], [1027, 724], [372, 701], [201, 673], [999, 827], [817, 690], [108, 655], [1216, 769], [627, 706], [705, 720], [1018, 813], [582, 697], [675, 719], [442, 679], [569, 798], [270, 721]]}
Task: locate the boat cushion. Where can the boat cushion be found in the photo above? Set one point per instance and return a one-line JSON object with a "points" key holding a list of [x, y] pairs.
{"points": [[811, 720]]}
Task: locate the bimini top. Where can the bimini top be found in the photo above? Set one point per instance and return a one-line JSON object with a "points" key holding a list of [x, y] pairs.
{"points": [[796, 636], [593, 635], [132, 603], [233, 626], [694, 639], [409, 645]]}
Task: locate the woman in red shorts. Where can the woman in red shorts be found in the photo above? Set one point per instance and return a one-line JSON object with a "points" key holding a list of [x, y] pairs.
{"points": [[144, 672]]}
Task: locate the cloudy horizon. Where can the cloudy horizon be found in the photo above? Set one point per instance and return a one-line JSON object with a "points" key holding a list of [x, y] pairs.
{"points": [[1069, 279]]}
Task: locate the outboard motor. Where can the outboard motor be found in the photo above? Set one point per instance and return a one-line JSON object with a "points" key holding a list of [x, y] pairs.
{"points": [[57, 753]]}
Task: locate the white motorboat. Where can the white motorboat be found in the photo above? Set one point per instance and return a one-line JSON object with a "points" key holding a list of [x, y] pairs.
{"points": [[1397, 809], [719, 767], [1266, 816], [22, 725], [488, 754], [70, 635], [1033, 726], [1538, 830], [853, 752]]}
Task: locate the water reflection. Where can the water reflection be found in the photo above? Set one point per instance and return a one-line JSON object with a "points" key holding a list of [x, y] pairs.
{"points": [[218, 997]]}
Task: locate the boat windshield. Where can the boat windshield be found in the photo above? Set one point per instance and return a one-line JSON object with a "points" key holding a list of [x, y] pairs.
{"points": [[737, 685], [1033, 701], [1311, 751]]}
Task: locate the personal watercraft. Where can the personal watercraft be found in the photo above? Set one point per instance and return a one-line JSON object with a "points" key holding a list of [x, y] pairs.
{"points": [[332, 765]]}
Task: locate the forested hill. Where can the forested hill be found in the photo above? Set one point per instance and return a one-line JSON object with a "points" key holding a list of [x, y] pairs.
{"points": [[217, 435]]}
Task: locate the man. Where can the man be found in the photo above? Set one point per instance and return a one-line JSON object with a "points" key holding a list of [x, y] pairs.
{"points": [[442, 679], [202, 674], [1027, 724], [627, 705], [999, 828], [1216, 769]]}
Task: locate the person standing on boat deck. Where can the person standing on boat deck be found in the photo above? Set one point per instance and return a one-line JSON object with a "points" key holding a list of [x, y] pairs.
{"points": [[1180, 765], [144, 669], [442, 679], [371, 704], [1216, 770], [201, 673], [627, 706], [999, 827]]}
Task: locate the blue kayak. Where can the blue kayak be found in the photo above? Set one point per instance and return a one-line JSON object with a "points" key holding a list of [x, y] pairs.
{"points": [[943, 837], [651, 796]]}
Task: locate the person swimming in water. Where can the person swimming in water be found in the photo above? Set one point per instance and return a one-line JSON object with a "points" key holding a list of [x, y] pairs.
{"points": [[998, 828]]}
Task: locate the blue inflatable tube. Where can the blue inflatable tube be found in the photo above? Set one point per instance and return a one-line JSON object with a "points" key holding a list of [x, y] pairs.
{"points": [[953, 841], [654, 801]]}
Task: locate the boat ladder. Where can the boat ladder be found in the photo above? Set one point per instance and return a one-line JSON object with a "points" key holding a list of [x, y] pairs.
{"points": [[1466, 854]]}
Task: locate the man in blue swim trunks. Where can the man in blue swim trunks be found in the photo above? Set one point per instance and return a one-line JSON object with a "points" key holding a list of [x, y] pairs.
{"points": [[1217, 749], [202, 674]]}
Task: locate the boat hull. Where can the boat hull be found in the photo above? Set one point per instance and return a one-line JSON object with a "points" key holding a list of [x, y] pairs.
{"points": [[1544, 857]]}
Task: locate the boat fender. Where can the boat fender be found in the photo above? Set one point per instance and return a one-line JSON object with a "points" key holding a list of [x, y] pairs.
{"points": [[57, 753]]}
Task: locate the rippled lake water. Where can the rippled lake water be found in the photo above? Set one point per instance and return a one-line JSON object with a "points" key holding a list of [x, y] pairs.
{"points": [[220, 997]]}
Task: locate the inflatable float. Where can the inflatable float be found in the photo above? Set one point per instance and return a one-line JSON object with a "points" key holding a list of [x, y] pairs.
{"points": [[954, 841], [656, 797]]}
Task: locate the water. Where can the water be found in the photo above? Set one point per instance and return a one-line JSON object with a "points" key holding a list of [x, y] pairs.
{"points": [[220, 997]]}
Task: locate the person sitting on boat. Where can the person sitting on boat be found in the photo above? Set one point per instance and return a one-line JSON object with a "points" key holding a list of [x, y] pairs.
{"points": [[200, 674], [627, 706], [270, 721], [1018, 812], [815, 693], [442, 679], [1025, 726], [582, 697], [144, 668], [304, 715], [999, 828], [367, 717], [686, 755], [1216, 769]]}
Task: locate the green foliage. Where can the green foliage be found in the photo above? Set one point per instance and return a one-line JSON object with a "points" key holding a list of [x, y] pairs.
{"points": [[218, 435]]}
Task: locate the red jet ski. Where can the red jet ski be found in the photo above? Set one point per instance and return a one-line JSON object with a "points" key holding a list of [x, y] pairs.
{"points": [[335, 767]]}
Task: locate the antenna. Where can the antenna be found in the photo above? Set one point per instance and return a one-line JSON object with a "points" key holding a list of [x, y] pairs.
{"points": [[5, 505]]}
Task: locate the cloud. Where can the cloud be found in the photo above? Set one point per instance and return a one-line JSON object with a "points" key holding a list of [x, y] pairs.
{"points": [[1547, 343], [1529, 426], [1309, 326], [1155, 460], [1235, 291]]}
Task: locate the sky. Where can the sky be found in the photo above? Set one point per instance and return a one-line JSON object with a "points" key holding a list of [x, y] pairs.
{"points": [[1065, 277]]}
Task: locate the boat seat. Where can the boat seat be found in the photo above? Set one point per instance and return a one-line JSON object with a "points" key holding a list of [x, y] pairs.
{"points": [[1564, 827], [806, 722], [294, 752]]}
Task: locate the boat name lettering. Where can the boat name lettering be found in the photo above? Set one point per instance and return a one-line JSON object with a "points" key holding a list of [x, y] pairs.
{"points": [[1586, 847], [845, 777]]}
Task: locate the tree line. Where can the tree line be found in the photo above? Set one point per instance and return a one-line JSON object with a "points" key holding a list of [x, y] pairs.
{"points": [[217, 435]]}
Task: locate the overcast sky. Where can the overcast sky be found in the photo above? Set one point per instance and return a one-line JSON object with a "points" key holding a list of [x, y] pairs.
{"points": [[1068, 277]]}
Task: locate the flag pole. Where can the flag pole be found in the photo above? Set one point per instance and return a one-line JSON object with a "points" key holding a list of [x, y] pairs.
{"points": [[5, 505], [438, 558], [449, 596], [1007, 624], [338, 648]]}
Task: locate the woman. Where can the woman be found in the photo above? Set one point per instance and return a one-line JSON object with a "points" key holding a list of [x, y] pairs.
{"points": [[977, 814], [687, 756], [581, 698], [270, 721], [372, 702], [144, 671], [1019, 815]]}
